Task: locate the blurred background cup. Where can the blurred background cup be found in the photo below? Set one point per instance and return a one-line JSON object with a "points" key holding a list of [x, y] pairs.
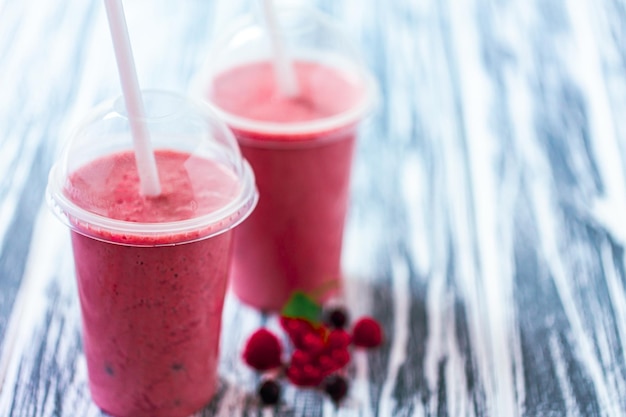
{"points": [[299, 144], [152, 271]]}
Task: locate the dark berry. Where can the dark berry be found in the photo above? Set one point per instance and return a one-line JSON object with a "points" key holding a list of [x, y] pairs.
{"points": [[336, 317], [262, 350], [269, 392], [367, 333], [336, 387]]}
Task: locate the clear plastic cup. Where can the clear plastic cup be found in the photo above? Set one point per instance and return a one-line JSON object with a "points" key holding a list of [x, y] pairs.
{"points": [[152, 271], [300, 148]]}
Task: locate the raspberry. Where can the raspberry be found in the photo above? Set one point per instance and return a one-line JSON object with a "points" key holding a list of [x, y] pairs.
{"points": [[341, 357], [338, 339], [300, 358], [320, 350], [296, 329], [326, 364], [262, 350], [305, 376], [336, 317], [269, 392], [313, 375], [294, 374], [367, 333], [313, 344], [336, 387]]}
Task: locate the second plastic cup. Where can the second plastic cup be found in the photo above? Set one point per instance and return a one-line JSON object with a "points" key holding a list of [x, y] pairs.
{"points": [[152, 271], [300, 148]]}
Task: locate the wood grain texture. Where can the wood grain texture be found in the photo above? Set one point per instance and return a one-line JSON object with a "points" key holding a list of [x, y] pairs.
{"points": [[486, 229]]}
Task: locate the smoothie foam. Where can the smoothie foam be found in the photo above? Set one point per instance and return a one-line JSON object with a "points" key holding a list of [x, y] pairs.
{"points": [[250, 92]]}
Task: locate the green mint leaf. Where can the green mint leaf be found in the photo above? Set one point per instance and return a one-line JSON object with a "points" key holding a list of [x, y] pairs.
{"points": [[302, 306]]}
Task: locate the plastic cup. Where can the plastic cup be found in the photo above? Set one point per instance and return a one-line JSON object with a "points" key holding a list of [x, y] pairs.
{"points": [[152, 271], [300, 148]]}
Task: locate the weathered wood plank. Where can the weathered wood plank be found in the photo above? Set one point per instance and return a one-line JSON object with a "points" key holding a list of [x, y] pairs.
{"points": [[485, 230], [37, 81]]}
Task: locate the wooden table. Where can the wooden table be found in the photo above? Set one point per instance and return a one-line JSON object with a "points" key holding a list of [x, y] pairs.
{"points": [[488, 214]]}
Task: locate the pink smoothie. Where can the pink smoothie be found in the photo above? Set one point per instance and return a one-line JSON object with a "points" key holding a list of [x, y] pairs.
{"points": [[151, 315], [292, 241]]}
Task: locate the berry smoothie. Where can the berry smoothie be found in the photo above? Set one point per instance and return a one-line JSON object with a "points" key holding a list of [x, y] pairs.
{"points": [[151, 308], [301, 150]]}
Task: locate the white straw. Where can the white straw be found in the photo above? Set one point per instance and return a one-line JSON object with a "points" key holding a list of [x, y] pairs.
{"points": [[284, 72], [144, 156]]}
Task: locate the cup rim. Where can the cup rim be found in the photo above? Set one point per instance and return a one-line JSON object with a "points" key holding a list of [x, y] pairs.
{"points": [[305, 128], [350, 64], [102, 228]]}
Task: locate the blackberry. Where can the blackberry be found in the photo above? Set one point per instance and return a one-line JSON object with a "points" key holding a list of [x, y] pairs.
{"points": [[269, 392], [336, 317], [336, 387]]}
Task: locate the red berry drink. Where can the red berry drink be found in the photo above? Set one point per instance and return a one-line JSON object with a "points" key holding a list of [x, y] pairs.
{"points": [[301, 149], [152, 271], [150, 307]]}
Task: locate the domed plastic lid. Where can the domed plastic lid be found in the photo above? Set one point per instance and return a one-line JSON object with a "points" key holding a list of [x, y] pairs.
{"points": [[336, 90], [207, 187]]}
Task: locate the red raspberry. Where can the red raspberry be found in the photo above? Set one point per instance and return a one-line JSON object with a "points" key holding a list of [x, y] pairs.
{"points": [[296, 329], [338, 339], [313, 375], [305, 376], [313, 344], [294, 374], [326, 364], [341, 357], [300, 358], [262, 350], [367, 333], [322, 331]]}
